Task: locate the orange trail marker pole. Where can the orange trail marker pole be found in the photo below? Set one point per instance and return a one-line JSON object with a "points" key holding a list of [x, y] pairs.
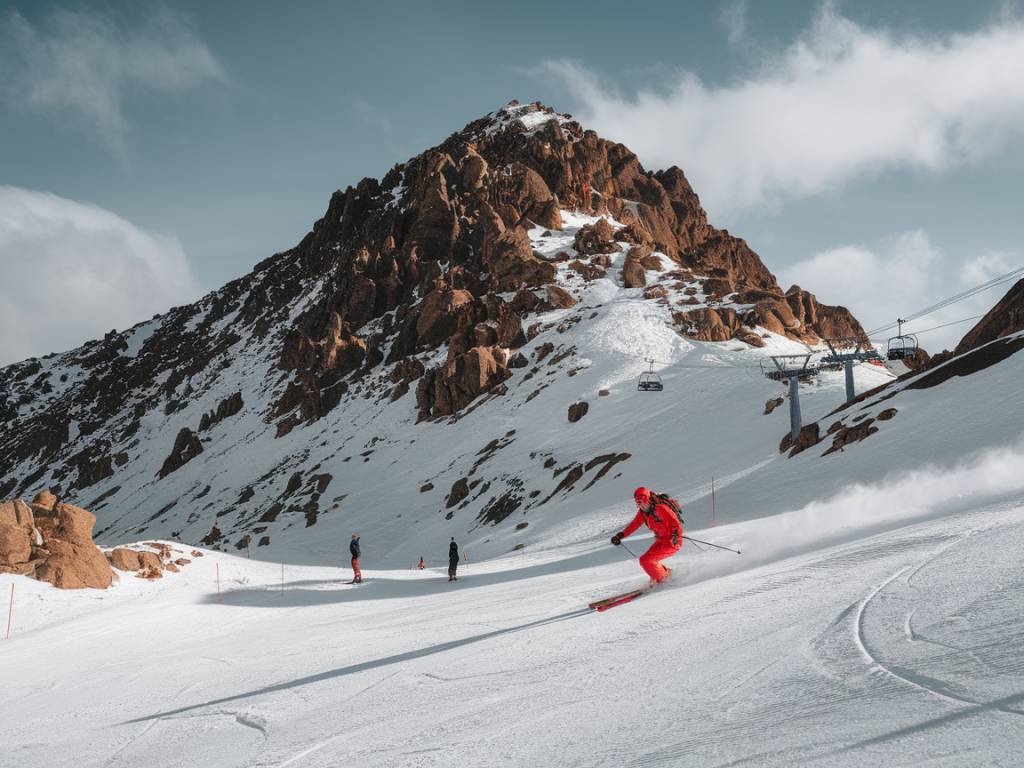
{"points": [[10, 611]]}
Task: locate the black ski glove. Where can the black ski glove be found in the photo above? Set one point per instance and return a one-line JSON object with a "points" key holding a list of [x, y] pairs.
{"points": [[617, 539]]}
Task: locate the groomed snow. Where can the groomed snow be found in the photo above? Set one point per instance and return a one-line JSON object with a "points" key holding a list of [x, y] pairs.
{"points": [[834, 639]]}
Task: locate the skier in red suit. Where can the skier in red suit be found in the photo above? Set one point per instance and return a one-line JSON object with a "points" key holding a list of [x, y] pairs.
{"points": [[667, 530]]}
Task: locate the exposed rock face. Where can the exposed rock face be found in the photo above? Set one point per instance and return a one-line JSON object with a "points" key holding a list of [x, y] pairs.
{"points": [[147, 565], [186, 447], [596, 238], [71, 559], [844, 435], [512, 264], [577, 411], [51, 542], [226, 408], [17, 536], [559, 298], [1004, 318], [446, 390], [44, 501], [633, 269]]}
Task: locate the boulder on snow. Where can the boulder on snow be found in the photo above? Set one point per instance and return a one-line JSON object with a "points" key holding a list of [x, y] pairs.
{"points": [[460, 490], [17, 535], [578, 410], [73, 561], [595, 238], [124, 559], [558, 298]]}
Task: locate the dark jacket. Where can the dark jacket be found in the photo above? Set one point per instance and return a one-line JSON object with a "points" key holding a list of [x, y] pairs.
{"points": [[453, 553], [353, 547]]}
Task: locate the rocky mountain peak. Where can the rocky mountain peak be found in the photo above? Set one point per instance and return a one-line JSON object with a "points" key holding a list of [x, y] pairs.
{"points": [[420, 289]]}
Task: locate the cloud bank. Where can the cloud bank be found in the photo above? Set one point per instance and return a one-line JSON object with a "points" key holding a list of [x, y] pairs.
{"points": [[902, 274], [840, 102], [87, 64], [74, 271]]}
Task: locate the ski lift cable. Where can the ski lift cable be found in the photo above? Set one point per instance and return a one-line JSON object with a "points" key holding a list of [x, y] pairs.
{"points": [[968, 293], [955, 298], [946, 325], [952, 300]]}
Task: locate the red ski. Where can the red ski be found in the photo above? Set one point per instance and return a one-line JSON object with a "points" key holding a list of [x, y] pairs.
{"points": [[611, 602]]}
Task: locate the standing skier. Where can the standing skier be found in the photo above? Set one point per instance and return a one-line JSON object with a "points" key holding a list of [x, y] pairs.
{"points": [[353, 548], [453, 560], [667, 529]]}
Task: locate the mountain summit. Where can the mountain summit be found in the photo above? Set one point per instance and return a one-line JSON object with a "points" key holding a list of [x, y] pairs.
{"points": [[522, 242]]}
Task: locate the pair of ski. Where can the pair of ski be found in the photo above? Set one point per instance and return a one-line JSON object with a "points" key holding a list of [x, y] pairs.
{"points": [[626, 597]]}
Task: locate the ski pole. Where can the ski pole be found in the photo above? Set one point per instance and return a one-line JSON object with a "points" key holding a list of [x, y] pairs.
{"points": [[717, 546], [634, 554]]}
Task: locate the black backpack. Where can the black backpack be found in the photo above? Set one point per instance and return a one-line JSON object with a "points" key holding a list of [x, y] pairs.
{"points": [[668, 501]]}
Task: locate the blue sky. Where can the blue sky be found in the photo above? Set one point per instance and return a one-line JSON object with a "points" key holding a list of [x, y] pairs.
{"points": [[148, 154]]}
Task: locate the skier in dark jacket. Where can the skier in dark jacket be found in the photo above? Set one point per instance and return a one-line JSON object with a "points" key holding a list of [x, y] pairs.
{"points": [[353, 548], [453, 560]]}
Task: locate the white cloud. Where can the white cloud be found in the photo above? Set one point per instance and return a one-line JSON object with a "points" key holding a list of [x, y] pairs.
{"points": [[71, 272], [87, 64], [898, 276], [841, 102], [734, 19]]}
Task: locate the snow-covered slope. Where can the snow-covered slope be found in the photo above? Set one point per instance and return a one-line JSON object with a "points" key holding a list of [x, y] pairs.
{"points": [[824, 643]]}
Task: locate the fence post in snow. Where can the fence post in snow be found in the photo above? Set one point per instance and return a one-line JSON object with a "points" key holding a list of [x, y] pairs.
{"points": [[10, 612]]}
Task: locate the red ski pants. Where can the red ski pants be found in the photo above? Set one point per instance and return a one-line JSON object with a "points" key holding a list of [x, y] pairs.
{"points": [[357, 575], [650, 560]]}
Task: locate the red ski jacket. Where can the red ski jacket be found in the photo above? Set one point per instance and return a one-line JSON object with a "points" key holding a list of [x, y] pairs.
{"points": [[661, 520]]}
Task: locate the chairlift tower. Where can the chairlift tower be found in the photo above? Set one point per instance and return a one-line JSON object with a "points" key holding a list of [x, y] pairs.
{"points": [[844, 351], [791, 368]]}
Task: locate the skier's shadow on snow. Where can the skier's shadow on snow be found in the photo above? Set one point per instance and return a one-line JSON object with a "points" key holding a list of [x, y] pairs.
{"points": [[309, 592], [363, 666]]}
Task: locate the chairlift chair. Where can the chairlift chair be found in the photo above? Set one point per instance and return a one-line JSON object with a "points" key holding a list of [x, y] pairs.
{"points": [[903, 345], [650, 381]]}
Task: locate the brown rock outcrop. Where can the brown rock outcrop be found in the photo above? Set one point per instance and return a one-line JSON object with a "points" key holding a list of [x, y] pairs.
{"points": [[558, 298], [44, 501], [512, 264], [225, 409], [73, 560], [447, 389], [598, 237], [633, 268], [17, 536], [124, 559], [186, 447], [1006, 317], [578, 410]]}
